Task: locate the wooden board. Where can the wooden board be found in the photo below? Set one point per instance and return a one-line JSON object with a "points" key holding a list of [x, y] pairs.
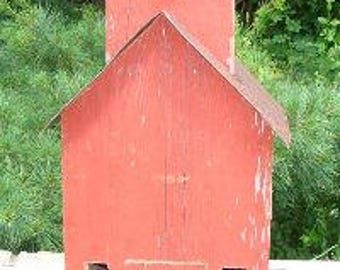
{"points": [[211, 22], [164, 160]]}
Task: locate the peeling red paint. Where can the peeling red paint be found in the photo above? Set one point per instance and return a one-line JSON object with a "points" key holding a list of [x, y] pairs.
{"points": [[167, 156]]}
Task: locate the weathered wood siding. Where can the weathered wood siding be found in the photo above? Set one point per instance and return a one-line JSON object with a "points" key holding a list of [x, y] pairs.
{"points": [[165, 163], [211, 22]]}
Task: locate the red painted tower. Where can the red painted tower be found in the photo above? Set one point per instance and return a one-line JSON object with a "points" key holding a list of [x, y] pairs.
{"points": [[210, 22], [167, 154]]}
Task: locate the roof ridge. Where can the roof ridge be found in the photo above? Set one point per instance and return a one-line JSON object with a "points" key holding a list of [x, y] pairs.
{"points": [[243, 81]]}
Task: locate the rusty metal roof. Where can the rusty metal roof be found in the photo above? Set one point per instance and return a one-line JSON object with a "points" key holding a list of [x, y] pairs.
{"points": [[241, 79]]}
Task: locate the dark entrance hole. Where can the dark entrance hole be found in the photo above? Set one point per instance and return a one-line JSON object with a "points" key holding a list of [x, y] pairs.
{"points": [[97, 266], [233, 268]]}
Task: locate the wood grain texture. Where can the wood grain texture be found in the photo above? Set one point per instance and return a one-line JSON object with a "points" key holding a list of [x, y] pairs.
{"points": [[163, 160], [55, 261], [241, 80], [211, 22]]}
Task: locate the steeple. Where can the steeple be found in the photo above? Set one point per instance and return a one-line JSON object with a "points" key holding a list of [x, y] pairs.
{"points": [[210, 22]]}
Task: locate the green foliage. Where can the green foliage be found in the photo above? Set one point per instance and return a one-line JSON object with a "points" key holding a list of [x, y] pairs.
{"points": [[275, 17], [306, 176], [329, 28], [303, 34], [44, 59], [305, 56], [69, 9]]}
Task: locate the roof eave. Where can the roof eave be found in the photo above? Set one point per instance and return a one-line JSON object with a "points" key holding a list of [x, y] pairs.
{"points": [[278, 123]]}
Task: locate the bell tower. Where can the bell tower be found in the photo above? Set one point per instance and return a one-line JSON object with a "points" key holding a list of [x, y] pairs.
{"points": [[211, 22]]}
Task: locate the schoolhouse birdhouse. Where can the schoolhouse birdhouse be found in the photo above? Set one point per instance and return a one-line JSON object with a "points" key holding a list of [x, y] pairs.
{"points": [[167, 153]]}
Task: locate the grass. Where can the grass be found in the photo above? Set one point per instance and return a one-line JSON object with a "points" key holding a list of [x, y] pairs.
{"points": [[44, 59], [46, 56]]}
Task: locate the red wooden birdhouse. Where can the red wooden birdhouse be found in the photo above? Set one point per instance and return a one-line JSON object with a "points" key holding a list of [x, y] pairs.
{"points": [[167, 154]]}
